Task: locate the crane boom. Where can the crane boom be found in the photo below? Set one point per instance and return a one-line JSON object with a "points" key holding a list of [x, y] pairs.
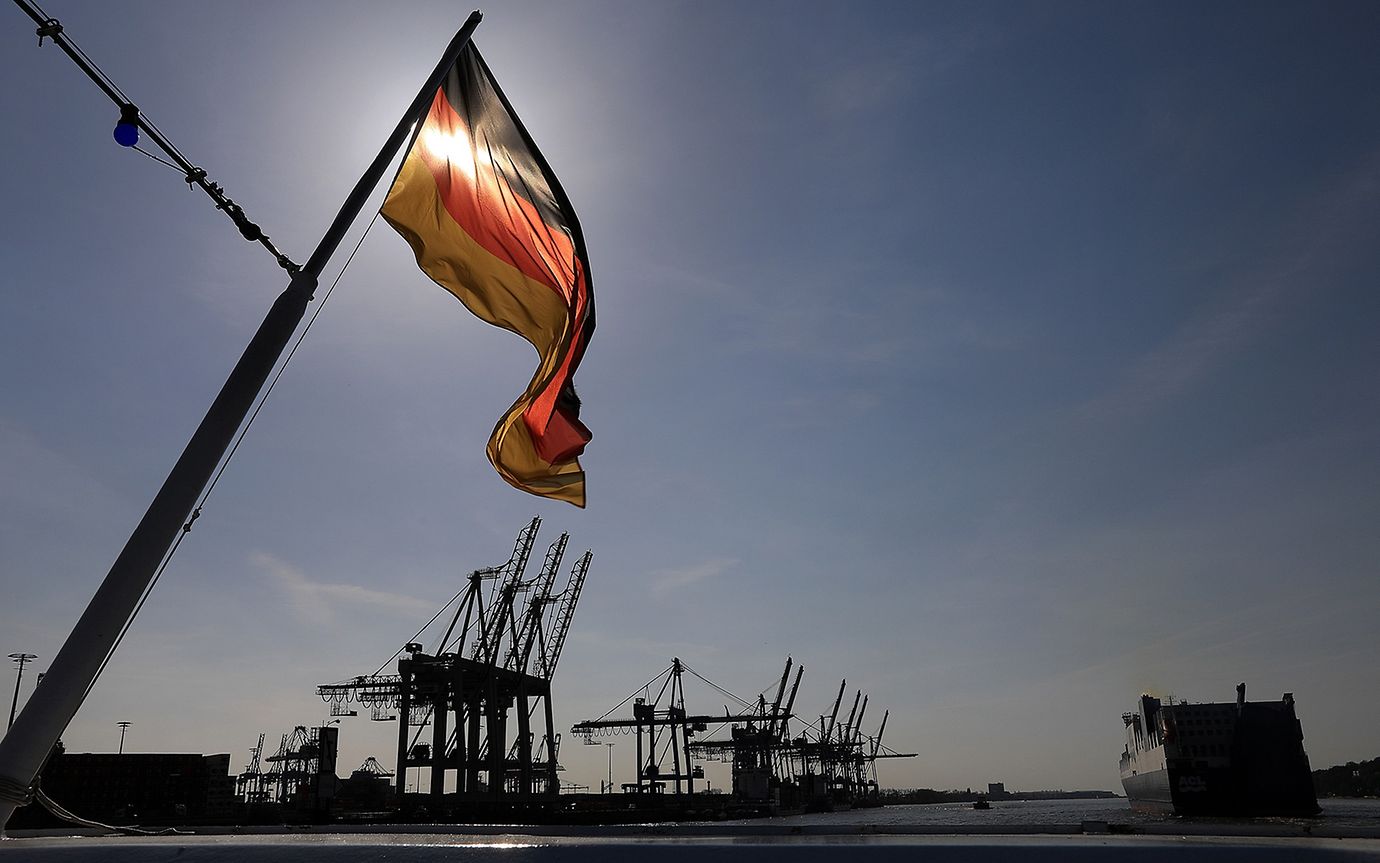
{"points": [[520, 652], [857, 730], [848, 726], [546, 663], [877, 741], [780, 691], [790, 702], [492, 636], [834, 715]]}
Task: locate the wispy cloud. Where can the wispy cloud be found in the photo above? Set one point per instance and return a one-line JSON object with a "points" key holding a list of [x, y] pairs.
{"points": [[42, 479], [912, 66], [667, 580], [1324, 236], [318, 601]]}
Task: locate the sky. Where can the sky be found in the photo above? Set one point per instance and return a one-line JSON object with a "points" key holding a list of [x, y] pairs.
{"points": [[1007, 359]]}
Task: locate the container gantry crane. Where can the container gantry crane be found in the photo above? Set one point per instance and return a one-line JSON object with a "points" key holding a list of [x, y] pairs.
{"points": [[493, 663], [663, 729]]}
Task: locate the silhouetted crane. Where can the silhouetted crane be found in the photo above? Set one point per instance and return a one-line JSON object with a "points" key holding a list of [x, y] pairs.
{"points": [[496, 657]]}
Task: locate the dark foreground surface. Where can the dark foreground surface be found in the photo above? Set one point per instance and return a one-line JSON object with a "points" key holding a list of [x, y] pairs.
{"points": [[1353, 814], [1082, 830], [519, 847]]}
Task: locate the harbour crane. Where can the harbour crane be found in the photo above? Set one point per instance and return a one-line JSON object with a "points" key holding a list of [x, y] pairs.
{"points": [[252, 784], [663, 729], [494, 661]]}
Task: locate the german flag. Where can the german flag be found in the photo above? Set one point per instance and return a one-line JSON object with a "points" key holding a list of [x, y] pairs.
{"points": [[490, 223]]}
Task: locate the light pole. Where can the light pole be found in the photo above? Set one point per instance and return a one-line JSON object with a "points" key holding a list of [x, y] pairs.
{"points": [[610, 746], [20, 659], [123, 726]]}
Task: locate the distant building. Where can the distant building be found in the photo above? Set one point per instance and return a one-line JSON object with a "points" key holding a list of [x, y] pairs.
{"points": [[364, 792], [146, 787], [996, 789]]}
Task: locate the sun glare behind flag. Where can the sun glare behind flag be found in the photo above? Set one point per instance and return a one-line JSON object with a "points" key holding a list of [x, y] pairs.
{"points": [[489, 222]]}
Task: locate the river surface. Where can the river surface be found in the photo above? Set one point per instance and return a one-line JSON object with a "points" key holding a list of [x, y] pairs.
{"points": [[1336, 813]]}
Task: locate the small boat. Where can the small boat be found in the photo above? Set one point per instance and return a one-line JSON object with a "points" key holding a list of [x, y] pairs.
{"points": [[981, 803]]}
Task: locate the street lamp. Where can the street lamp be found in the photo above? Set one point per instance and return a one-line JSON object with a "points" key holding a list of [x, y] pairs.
{"points": [[20, 659], [123, 726], [610, 746]]}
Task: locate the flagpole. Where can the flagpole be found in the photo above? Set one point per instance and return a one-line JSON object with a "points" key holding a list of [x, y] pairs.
{"points": [[26, 745]]}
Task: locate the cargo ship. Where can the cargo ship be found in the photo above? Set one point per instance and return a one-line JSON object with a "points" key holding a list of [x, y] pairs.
{"points": [[1232, 759]]}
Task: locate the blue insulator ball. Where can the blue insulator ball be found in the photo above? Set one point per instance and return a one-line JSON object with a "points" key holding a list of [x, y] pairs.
{"points": [[126, 134]]}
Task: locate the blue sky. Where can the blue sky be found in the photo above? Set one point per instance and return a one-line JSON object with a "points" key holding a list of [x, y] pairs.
{"points": [[1008, 359]]}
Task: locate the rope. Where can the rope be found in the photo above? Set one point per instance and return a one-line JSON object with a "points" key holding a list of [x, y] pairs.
{"points": [[160, 160], [715, 685], [13, 792], [643, 688], [215, 479], [61, 812], [414, 638], [22, 795]]}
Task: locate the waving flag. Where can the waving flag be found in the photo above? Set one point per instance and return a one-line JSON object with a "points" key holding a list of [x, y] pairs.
{"points": [[490, 223]]}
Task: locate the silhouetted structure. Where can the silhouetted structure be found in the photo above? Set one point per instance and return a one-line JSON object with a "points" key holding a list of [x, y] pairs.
{"points": [[150, 788], [1235, 759], [1353, 779], [662, 729], [366, 791], [254, 786], [492, 666], [772, 770], [302, 776]]}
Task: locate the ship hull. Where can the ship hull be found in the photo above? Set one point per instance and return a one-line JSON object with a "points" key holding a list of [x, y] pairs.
{"points": [[1149, 792], [1214, 793], [1217, 792]]}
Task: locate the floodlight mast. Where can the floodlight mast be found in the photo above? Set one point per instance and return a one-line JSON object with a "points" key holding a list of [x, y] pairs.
{"points": [[26, 745]]}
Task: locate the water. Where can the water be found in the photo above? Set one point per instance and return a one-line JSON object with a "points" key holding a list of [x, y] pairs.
{"points": [[1336, 813]]}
